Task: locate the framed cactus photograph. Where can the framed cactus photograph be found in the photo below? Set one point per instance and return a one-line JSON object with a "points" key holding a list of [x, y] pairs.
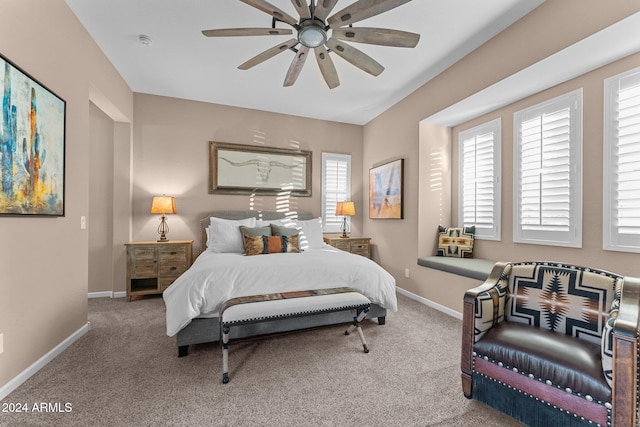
{"points": [[32, 145]]}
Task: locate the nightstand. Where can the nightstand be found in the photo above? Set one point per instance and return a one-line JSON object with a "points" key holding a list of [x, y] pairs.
{"points": [[153, 266], [355, 245]]}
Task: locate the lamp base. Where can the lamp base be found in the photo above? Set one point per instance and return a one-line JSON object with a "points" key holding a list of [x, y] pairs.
{"points": [[163, 229], [344, 228]]}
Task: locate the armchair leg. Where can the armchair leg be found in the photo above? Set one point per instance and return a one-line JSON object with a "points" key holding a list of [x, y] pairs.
{"points": [[466, 385]]}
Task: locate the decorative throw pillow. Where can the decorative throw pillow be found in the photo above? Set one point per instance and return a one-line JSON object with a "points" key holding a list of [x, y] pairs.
{"points": [[283, 230], [255, 231], [456, 242], [258, 245]]}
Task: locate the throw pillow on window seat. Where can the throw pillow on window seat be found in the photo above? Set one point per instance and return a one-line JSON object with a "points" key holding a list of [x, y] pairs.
{"points": [[456, 241]]}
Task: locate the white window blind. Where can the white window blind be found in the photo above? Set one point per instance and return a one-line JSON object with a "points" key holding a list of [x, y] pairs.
{"points": [[336, 187], [548, 179], [622, 162], [479, 180]]}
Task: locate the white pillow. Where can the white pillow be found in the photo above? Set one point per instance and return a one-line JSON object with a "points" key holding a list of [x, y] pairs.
{"points": [[224, 235], [311, 230]]}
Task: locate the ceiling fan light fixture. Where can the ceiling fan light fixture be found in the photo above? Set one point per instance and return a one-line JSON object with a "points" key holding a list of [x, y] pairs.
{"points": [[312, 36]]}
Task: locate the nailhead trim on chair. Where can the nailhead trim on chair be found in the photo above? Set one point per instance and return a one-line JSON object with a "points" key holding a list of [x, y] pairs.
{"points": [[587, 397]]}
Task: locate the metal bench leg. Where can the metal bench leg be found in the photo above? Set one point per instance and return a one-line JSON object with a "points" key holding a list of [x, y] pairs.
{"points": [[225, 354], [356, 325]]}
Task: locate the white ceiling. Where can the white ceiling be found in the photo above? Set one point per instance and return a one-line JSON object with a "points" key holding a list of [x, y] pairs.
{"points": [[180, 62]]}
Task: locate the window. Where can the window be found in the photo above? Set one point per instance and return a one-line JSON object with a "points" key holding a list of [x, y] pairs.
{"points": [[336, 187], [548, 172], [622, 162], [479, 179]]}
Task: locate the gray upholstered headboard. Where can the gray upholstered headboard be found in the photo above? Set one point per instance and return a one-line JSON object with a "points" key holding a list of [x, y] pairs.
{"points": [[262, 215]]}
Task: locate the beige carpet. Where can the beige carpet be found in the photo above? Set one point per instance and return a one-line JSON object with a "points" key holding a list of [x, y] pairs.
{"points": [[125, 372]]}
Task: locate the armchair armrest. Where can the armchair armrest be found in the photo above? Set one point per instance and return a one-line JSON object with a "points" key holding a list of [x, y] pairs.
{"points": [[477, 314], [626, 377]]}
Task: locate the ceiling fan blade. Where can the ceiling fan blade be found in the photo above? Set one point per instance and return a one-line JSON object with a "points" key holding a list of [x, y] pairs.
{"points": [[327, 68], [379, 36], [303, 8], [324, 8], [355, 56], [269, 53], [231, 32], [362, 9], [296, 66], [272, 10]]}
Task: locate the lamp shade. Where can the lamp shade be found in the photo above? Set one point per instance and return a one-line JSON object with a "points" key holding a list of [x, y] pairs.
{"points": [[345, 209], [163, 205]]}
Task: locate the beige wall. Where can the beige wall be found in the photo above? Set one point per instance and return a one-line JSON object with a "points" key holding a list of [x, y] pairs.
{"points": [[171, 152], [551, 27], [43, 261], [101, 134]]}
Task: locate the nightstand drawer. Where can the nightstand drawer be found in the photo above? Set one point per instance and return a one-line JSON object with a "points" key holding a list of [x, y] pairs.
{"points": [[363, 251], [360, 246], [173, 268], [173, 254], [144, 269], [342, 245], [143, 254]]}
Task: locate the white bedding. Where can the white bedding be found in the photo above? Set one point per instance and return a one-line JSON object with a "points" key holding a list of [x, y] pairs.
{"points": [[216, 277]]}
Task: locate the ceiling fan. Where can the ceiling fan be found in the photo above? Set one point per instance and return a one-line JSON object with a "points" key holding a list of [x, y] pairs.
{"points": [[313, 30]]}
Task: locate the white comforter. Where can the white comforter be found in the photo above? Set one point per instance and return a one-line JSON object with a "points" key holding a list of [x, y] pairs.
{"points": [[214, 278]]}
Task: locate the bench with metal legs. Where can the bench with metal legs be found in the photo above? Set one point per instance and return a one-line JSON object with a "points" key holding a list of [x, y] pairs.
{"points": [[269, 307]]}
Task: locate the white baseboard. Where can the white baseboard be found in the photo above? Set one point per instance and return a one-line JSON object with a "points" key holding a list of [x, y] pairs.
{"points": [[430, 303], [6, 389], [107, 294]]}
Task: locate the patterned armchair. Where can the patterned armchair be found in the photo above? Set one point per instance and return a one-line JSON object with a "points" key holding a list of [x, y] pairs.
{"points": [[554, 345]]}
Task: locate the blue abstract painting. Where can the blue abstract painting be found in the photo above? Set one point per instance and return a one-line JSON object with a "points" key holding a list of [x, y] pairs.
{"points": [[32, 145]]}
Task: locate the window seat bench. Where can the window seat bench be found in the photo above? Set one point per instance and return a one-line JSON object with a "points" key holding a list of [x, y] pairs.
{"points": [[474, 268]]}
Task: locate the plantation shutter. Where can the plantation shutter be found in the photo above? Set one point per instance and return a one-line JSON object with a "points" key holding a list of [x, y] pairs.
{"points": [[548, 187], [545, 172], [622, 168], [479, 192], [336, 183]]}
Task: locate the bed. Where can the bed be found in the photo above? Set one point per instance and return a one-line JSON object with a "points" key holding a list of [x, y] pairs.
{"points": [[221, 272]]}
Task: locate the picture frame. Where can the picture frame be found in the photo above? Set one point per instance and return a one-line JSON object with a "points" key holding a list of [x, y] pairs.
{"points": [[250, 169], [32, 145], [386, 184]]}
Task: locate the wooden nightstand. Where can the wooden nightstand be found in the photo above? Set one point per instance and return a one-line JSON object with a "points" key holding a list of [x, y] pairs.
{"points": [[355, 245], [153, 266]]}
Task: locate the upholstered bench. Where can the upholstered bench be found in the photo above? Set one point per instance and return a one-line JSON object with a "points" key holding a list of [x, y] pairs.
{"points": [[268, 307], [474, 268]]}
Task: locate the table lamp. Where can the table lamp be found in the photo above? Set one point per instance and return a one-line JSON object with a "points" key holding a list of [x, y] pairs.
{"points": [[163, 205], [345, 209]]}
